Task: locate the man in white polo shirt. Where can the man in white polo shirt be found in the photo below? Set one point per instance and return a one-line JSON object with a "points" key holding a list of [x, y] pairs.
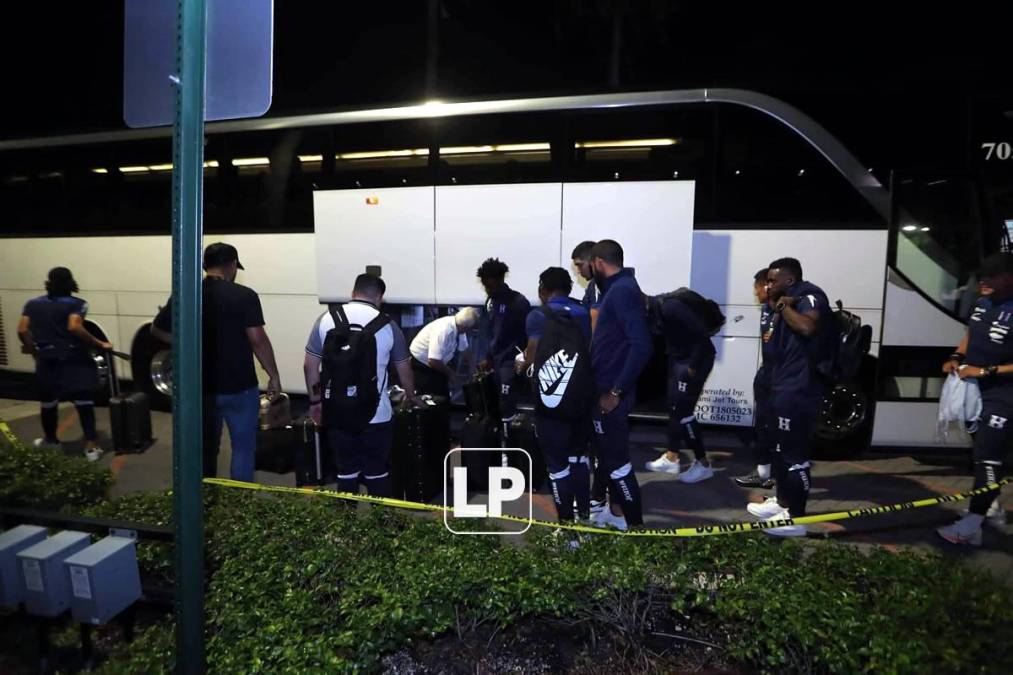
{"points": [[434, 347], [361, 449]]}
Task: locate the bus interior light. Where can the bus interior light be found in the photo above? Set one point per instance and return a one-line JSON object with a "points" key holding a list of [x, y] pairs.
{"points": [[133, 169], [909, 228], [161, 167], [308, 159], [99, 170], [630, 143], [925, 229], [383, 154], [251, 161]]}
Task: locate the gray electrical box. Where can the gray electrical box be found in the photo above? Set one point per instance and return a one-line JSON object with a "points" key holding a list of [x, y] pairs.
{"points": [[43, 577], [104, 580], [13, 542]]}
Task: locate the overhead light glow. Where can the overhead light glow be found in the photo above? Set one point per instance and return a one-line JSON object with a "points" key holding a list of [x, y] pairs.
{"points": [[505, 147], [925, 229], [251, 161], [211, 164], [909, 228], [100, 170], [161, 167], [630, 143], [306, 159], [134, 169], [382, 154]]}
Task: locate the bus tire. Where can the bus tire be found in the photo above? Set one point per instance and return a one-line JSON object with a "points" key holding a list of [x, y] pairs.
{"points": [[151, 362], [844, 426], [101, 363]]}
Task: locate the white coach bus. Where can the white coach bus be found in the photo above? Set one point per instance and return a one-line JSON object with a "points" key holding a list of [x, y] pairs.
{"points": [[702, 188]]}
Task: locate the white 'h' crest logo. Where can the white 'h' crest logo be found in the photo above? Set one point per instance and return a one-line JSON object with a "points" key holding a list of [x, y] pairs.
{"points": [[784, 423], [682, 386], [996, 422]]}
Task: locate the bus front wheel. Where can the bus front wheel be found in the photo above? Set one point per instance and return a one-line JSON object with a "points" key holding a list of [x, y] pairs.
{"points": [[845, 420], [151, 362]]}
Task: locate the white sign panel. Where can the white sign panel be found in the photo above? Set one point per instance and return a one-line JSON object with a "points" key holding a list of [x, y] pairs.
{"points": [[519, 224], [389, 227], [651, 220]]}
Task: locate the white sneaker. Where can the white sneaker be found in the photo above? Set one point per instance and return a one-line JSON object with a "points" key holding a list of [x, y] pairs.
{"points": [[966, 531], [996, 515], [567, 539], [94, 454], [766, 509], [663, 465], [597, 507], [606, 519], [43, 444], [785, 530], [696, 472]]}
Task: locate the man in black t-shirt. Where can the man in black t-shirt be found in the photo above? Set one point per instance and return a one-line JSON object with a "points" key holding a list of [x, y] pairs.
{"points": [[986, 355], [233, 333]]}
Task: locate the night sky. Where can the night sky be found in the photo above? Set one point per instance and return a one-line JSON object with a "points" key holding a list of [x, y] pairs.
{"points": [[895, 78]]}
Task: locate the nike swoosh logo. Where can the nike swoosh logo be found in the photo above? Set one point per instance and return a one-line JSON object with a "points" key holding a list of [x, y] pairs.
{"points": [[554, 376]]}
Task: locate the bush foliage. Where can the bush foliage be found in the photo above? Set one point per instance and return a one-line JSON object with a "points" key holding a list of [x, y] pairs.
{"points": [[304, 584], [48, 479]]}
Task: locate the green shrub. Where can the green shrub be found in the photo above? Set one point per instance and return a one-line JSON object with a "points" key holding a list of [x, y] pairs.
{"points": [[48, 479], [303, 584], [151, 508]]}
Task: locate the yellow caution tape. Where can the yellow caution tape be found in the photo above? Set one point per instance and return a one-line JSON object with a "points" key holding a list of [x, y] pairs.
{"points": [[6, 431], [700, 531]]}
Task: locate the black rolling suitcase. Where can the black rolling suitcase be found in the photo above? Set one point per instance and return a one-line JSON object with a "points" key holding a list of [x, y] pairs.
{"points": [[481, 396], [313, 462], [129, 414], [521, 434], [480, 431], [276, 449], [419, 450]]}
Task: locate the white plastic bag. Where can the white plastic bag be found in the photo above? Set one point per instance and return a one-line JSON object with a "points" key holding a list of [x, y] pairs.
{"points": [[959, 403]]}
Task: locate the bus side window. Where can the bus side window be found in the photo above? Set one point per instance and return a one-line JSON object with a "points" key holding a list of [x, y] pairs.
{"points": [[768, 174], [645, 145]]}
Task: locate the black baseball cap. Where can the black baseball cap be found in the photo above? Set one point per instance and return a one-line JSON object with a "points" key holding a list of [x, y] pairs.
{"points": [[219, 253]]}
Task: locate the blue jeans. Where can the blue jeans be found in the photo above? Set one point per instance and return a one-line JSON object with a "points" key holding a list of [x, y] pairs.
{"points": [[240, 411]]}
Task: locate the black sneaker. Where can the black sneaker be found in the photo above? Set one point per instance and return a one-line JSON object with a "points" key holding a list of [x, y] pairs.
{"points": [[753, 480]]}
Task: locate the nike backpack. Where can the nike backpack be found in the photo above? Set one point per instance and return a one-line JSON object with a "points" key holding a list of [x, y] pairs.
{"points": [[348, 378], [562, 378]]}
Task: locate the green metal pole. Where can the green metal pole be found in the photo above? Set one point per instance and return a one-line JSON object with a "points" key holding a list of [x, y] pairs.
{"points": [[187, 230]]}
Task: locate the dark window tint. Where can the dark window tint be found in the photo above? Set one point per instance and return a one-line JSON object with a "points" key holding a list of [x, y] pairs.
{"points": [[390, 154], [769, 175], [664, 144], [498, 149]]}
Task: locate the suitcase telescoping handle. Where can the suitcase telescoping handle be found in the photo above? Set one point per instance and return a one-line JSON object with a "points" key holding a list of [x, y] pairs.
{"points": [[114, 381], [319, 459]]}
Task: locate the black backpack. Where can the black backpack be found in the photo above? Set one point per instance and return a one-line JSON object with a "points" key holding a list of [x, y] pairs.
{"points": [[348, 372], [845, 343], [562, 378], [707, 310]]}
